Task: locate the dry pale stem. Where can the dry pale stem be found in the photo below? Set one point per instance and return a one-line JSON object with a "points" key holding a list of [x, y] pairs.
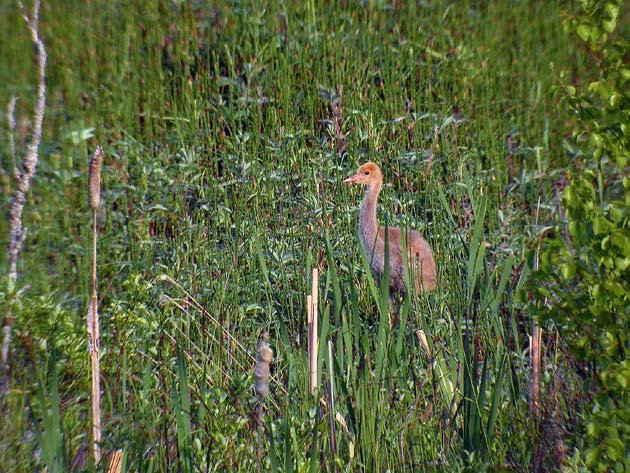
{"points": [[535, 342], [94, 187], [114, 463], [313, 345], [309, 325]]}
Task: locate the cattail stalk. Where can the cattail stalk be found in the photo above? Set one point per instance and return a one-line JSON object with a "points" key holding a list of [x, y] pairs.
{"points": [[94, 186], [313, 341], [309, 337], [535, 345], [262, 374], [535, 342], [262, 371]]}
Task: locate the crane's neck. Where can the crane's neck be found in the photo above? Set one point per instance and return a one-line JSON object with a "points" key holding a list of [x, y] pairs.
{"points": [[368, 226]]}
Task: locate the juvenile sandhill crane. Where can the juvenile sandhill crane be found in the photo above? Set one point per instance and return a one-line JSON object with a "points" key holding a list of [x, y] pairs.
{"points": [[419, 254]]}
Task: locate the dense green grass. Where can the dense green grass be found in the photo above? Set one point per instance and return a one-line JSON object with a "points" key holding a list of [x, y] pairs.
{"points": [[222, 189]]}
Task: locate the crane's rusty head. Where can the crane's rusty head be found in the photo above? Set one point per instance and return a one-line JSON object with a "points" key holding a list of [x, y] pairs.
{"points": [[368, 174]]}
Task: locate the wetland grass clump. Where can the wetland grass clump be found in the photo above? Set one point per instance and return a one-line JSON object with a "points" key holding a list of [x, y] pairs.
{"points": [[312, 332]]}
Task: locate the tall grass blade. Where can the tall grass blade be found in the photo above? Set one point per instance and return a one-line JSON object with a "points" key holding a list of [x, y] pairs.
{"points": [[288, 456], [383, 324], [344, 391], [476, 252], [50, 437], [332, 269], [371, 283], [314, 450], [292, 374], [325, 328], [261, 259], [182, 406], [405, 309], [479, 405], [497, 396]]}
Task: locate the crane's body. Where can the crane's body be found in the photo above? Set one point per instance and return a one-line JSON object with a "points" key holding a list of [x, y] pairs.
{"points": [[421, 264]]}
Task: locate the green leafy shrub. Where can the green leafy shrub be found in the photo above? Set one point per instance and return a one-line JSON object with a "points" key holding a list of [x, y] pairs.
{"points": [[583, 280]]}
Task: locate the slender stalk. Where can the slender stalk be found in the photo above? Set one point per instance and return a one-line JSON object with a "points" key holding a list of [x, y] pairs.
{"points": [[534, 393], [313, 340], [534, 382], [94, 187], [436, 137], [340, 137], [535, 342], [95, 346], [309, 337]]}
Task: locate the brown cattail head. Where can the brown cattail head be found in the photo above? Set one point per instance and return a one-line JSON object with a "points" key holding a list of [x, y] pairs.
{"points": [[263, 366], [94, 184]]}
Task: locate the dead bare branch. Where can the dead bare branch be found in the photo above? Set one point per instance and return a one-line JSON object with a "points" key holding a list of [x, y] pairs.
{"points": [[24, 176]]}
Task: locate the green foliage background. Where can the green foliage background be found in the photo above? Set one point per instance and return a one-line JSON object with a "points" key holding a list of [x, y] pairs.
{"points": [[584, 277], [222, 125]]}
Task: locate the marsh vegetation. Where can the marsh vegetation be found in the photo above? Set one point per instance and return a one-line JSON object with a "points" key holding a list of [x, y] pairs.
{"points": [[227, 130]]}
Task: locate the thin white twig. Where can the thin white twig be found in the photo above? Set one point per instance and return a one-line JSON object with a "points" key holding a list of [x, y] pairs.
{"points": [[16, 237], [11, 118]]}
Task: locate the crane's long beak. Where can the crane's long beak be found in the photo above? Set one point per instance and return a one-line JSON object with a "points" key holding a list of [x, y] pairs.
{"points": [[352, 179]]}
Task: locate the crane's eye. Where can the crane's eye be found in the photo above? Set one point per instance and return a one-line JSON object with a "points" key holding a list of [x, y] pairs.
{"points": [[367, 173]]}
